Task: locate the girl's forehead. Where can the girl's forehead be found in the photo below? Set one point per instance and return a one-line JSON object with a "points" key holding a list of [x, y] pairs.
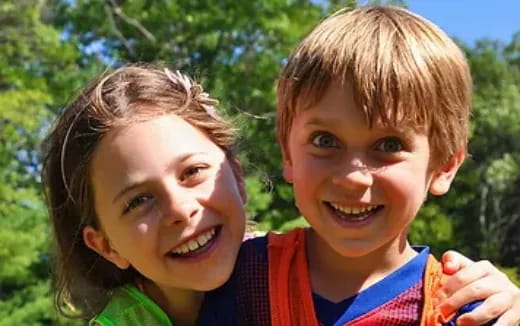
{"points": [[162, 132]]}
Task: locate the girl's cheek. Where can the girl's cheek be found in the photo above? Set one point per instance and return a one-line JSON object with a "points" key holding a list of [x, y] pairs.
{"points": [[142, 228]]}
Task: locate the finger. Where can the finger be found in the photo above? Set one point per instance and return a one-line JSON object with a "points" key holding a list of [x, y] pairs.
{"points": [[490, 309], [453, 261], [467, 275], [479, 289], [512, 316]]}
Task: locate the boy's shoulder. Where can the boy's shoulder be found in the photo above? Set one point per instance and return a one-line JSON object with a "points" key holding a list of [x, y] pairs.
{"points": [[258, 245]]}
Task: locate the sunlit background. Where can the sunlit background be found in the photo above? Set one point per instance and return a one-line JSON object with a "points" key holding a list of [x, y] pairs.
{"points": [[50, 48]]}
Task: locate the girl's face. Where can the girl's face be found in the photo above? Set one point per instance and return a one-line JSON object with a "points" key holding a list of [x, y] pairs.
{"points": [[168, 203]]}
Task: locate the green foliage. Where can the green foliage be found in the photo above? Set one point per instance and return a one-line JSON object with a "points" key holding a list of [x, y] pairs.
{"points": [[236, 48], [299, 222], [432, 227], [489, 221], [36, 71], [259, 199], [512, 273]]}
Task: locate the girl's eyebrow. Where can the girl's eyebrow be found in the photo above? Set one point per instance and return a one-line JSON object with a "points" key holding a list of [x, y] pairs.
{"points": [[132, 185], [125, 190]]}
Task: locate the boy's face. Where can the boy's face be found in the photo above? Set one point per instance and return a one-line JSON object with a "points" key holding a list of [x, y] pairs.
{"points": [[359, 187]]}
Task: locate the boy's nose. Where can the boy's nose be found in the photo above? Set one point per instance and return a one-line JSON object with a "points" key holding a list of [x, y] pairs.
{"points": [[354, 177]]}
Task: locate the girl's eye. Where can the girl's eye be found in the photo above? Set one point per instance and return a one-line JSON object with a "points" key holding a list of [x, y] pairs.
{"points": [[324, 140], [192, 172], [390, 145], [136, 202]]}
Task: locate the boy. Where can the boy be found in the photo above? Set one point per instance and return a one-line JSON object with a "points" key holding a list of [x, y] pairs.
{"points": [[373, 110]]}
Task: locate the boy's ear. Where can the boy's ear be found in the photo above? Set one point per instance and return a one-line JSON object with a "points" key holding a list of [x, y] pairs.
{"points": [[97, 241], [287, 166], [445, 173]]}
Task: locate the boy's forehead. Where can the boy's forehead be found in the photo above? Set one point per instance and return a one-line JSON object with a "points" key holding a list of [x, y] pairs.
{"points": [[342, 97], [380, 126]]}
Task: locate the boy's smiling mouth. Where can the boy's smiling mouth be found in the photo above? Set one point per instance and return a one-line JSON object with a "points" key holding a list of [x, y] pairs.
{"points": [[197, 245], [353, 214]]}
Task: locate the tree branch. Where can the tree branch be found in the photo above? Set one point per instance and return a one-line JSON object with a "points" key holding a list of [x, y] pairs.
{"points": [[118, 33], [131, 21]]}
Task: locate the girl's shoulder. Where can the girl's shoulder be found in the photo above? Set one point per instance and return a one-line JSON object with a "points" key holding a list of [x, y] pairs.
{"points": [[128, 306]]}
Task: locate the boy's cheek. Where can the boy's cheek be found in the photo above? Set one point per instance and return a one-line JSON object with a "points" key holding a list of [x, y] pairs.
{"points": [[306, 167]]}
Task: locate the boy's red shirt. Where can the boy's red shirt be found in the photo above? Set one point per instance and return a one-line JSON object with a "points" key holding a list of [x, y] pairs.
{"points": [[290, 294]]}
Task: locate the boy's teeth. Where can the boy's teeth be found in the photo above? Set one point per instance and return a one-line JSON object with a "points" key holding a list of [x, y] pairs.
{"points": [[195, 244], [353, 210]]}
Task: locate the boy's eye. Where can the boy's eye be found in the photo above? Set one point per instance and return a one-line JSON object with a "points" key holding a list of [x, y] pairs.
{"points": [[324, 140], [390, 145], [136, 202]]}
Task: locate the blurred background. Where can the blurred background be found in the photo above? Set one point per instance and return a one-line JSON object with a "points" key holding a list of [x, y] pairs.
{"points": [[50, 48]]}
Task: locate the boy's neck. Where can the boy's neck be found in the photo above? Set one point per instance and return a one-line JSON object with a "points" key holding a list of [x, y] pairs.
{"points": [[181, 305], [335, 277]]}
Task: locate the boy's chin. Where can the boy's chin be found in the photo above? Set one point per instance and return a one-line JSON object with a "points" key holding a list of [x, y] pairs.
{"points": [[368, 249], [354, 248]]}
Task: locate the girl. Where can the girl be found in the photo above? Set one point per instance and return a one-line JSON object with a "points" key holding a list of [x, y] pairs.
{"points": [[132, 170], [146, 200]]}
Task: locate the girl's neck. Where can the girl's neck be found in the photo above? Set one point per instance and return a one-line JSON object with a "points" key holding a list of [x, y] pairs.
{"points": [[181, 305], [336, 277]]}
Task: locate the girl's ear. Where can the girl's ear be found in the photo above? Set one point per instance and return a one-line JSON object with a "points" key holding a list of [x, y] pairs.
{"points": [[238, 172], [98, 242], [242, 190], [445, 173]]}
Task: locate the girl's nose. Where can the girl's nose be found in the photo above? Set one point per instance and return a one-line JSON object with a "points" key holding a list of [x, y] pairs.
{"points": [[180, 206]]}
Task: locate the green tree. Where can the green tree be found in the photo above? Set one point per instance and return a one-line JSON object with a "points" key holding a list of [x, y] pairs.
{"points": [[36, 71], [236, 48], [495, 151], [482, 205]]}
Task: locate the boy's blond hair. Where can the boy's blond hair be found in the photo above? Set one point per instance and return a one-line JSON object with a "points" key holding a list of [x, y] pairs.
{"points": [[402, 68]]}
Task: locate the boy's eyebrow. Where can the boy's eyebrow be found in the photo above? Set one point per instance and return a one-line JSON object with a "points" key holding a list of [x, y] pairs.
{"points": [[403, 128], [319, 121], [132, 185]]}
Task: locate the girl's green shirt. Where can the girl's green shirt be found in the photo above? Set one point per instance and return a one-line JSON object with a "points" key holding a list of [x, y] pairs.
{"points": [[130, 307]]}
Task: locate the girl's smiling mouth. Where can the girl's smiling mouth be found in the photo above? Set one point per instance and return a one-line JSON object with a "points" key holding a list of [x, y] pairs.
{"points": [[198, 245]]}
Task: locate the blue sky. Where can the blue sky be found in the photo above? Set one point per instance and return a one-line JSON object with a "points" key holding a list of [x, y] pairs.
{"points": [[470, 20]]}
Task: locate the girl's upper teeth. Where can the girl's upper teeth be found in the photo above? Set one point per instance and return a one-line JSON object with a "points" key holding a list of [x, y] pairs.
{"points": [[353, 210], [195, 244]]}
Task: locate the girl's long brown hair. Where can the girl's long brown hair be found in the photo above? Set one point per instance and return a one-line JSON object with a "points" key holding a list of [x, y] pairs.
{"points": [[84, 281]]}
